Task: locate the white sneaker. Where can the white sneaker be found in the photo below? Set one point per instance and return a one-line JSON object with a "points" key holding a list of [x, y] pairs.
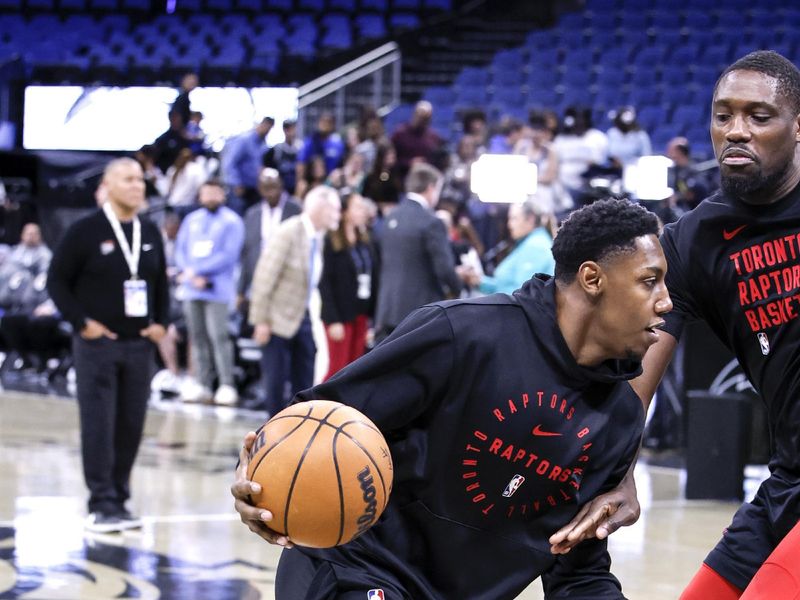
{"points": [[193, 391], [226, 395], [166, 381]]}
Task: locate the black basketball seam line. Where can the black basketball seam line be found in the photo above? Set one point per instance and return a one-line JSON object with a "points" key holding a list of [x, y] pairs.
{"points": [[271, 448], [365, 451], [301, 461], [341, 491]]}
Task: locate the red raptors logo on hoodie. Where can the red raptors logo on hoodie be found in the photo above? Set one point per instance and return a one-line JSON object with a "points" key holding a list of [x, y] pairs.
{"points": [[536, 446]]}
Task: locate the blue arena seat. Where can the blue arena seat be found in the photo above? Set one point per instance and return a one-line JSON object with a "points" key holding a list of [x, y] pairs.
{"points": [[40, 4], [664, 19], [601, 20], [698, 19], [282, 5], [104, 4], [443, 5], [674, 75], [404, 21], [472, 76], [345, 5], [312, 5], [248, 5], [219, 5], [377, 5], [612, 77], [645, 95], [507, 77], [405, 4], [439, 95], [370, 26], [135, 5]]}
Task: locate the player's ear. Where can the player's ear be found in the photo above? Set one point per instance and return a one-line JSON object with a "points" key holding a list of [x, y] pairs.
{"points": [[591, 279]]}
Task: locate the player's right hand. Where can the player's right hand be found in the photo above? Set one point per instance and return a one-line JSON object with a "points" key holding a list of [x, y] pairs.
{"points": [[256, 519], [599, 518]]}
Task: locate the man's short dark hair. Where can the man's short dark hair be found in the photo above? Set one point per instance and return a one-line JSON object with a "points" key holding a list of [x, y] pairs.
{"points": [[599, 231], [772, 64], [421, 177]]}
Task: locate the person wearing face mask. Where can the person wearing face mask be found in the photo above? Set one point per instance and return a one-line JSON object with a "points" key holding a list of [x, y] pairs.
{"points": [[206, 253], [627, 141]]}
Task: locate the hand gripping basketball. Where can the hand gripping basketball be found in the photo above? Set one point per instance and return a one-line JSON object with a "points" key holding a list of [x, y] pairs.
{"points": [[325, 473]]}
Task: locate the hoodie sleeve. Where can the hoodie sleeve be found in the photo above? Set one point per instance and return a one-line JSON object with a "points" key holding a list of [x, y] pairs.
{"points": [[402, 378], [583, 574]]}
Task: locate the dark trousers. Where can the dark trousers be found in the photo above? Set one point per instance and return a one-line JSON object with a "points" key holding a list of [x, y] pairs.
{"points": [[113, 385], [288, 360]]}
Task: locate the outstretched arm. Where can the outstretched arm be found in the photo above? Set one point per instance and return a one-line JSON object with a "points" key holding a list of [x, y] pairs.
{"points": [[608, 512]]}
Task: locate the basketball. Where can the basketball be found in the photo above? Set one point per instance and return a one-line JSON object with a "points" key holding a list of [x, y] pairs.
{"points": [[325, 472]]}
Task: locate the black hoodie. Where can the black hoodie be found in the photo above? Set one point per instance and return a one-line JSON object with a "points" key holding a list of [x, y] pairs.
{"points": [[476, 398]]}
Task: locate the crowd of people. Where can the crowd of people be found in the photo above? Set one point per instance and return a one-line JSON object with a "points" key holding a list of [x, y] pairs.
{"points": [[222, 209]]}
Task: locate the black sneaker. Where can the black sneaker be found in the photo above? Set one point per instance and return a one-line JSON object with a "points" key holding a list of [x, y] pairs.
{"points": [[99, 522], [128, 520]]}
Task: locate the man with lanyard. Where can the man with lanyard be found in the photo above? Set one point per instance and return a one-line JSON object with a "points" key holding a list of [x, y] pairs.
{"points": [[108, 278]]}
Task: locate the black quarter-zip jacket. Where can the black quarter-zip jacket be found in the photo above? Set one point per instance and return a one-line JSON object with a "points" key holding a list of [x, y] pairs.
{"points": [[498, 437]]}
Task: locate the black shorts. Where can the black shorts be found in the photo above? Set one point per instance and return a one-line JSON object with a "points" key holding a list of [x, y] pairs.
{"points": [[303, 577], [757, 528]]}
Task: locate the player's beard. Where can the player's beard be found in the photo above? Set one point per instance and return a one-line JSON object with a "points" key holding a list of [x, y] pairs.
{"points": [[744, 185]]}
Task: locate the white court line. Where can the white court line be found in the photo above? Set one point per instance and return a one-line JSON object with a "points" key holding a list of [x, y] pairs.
{"points": [[212, 518]]}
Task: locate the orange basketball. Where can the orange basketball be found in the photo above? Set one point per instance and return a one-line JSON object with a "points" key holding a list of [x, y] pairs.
{"points": [[325, 472]]}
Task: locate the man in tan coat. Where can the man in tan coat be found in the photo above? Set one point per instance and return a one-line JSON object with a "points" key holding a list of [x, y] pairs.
{"points": [[286, 273]]}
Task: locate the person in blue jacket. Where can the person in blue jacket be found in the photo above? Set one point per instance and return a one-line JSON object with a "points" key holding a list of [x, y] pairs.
{"points": [[531, 254], [207, 253], [529, 389]]}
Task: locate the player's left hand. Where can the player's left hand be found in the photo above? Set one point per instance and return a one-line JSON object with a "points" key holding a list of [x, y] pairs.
{"points": [[154, 332], [599, 518], [256, 519]]}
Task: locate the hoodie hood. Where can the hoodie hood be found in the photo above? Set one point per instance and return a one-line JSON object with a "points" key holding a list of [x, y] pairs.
{"points": [[537, 297]]}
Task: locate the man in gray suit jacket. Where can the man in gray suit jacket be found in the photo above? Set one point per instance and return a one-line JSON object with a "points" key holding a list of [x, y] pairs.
{"points": [[260, 222], [416, 260]]}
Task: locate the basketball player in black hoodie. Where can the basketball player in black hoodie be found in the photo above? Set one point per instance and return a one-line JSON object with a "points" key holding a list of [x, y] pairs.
{"points": [[483, 391]]}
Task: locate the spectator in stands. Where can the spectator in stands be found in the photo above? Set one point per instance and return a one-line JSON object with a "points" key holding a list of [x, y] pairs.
{"points": [[550, 197], [170, 379], [351, 175], [29, 324], [181, 183], [532, 235], [31, 253], [627, 141], [146, 157], [474, 124], [242, 161], [182, 104], [287, 272], [510, 134], [416, 141], [457, 188], [579, 147], [108, 278], [417, 264], [324, 143], [170, 143], [195, 133], [553, 125], [348, 284], [261, 221], [283, 156], [372, 136], [464, 242], [315, 175], [383, 184], [207, 253], [691, 185]]}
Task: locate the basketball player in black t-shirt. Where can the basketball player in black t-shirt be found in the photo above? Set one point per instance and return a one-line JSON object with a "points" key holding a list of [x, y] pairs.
{"points": [[734, 261]]}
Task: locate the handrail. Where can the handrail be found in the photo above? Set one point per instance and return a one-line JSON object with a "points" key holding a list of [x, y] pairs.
{"points": [[390, 48]]}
